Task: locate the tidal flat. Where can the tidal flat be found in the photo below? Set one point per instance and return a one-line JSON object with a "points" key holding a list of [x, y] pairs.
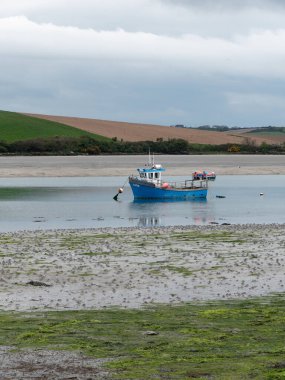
{"points": [[133, 267], [143, 303]]}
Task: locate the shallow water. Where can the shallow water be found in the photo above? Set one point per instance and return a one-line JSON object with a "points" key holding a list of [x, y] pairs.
{"points": [[45, 203]]}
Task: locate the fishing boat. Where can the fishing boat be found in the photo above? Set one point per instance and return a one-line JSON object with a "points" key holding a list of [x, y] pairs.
{"points": [[148, 184], [210, 176]]}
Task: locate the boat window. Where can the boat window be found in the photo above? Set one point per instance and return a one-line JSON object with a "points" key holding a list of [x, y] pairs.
{"points": [[156, 175], [150, 175]]}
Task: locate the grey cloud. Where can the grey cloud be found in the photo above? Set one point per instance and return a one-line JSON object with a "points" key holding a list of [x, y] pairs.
{"points": [[226, 4], [220, 18], [166, 65], [86, 89]]}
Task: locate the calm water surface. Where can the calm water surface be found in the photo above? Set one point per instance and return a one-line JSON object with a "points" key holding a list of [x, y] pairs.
{"points": [[45, 203]]}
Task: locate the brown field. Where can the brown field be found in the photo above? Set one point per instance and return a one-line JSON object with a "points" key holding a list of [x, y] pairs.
{"points": [[142, 132], [269, 139]]}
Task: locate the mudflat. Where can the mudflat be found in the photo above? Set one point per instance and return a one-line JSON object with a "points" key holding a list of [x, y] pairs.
{"points": [[132, 267], [110, 295], [80, 166]]}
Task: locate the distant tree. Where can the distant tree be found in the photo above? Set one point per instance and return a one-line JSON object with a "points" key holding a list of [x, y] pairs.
{"points": [[93, 150], [205, 127], [264, 147], [249, 141]]}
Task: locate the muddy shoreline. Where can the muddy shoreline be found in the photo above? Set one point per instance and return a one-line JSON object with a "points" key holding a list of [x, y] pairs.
{"points": [[133, 267], [87, 269], [91, 269]]}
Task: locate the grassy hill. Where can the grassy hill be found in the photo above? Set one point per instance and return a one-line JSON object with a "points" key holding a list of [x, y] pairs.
{"points": [[15, 127], [268, 132]]}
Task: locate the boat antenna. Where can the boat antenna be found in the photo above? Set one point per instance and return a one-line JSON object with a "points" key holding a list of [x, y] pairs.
{"points": [[149, 159]]}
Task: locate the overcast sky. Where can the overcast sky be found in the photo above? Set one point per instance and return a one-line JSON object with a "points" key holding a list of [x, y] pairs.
{"points": [[167, 62]]}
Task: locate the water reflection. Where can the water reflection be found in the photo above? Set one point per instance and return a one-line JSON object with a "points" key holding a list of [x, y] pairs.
{"points": [[149, 221], [167, 212], [79, 203], [194, 200]]}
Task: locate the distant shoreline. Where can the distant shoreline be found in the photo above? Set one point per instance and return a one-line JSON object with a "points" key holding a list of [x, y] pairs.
{"points": [[176, 165]]}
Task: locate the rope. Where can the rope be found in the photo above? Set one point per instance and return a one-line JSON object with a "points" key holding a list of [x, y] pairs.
{"points": [[125, 183]]}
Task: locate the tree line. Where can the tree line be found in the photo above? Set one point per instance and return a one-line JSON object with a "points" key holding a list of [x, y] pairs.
{"points": [[225, 128], [91, 146]]}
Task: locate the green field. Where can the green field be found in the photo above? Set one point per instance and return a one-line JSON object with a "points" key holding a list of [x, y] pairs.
{"points": [[16, 127], [268, 132], [216, 340]]}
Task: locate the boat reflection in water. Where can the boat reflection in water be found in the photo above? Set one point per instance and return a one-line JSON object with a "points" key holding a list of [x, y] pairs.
{"points": [[156, 221], [149, 221], [166, 200], [160, 212]]}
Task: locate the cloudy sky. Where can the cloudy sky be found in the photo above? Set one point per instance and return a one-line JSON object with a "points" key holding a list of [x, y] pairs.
{"points": [[155, 61]]}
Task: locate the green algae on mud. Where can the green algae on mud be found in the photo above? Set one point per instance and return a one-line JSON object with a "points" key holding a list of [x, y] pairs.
{"points": [[217, 340], [131, 267], [211, 236]]}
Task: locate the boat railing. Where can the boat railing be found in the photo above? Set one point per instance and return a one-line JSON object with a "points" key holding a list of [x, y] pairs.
{"points": [[188, 184]]}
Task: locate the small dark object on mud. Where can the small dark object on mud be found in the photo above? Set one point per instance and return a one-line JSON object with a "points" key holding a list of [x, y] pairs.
{"points": [[279, 365], [37, 283], [198, 375], [226, 224], [220, 196]]}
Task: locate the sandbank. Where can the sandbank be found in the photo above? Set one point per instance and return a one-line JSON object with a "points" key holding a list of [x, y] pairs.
{"points": [[82, 166]]}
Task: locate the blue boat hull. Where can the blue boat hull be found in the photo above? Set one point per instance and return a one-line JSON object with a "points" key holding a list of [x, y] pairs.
{"points": [[142, 191]]}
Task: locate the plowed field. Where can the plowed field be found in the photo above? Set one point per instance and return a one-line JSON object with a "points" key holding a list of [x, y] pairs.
{"points": [[142, 132]]}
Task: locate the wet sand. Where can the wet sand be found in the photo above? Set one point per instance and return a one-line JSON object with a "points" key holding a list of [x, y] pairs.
{"points": [[45, 365], [133, 267], [81, 166], [130, 267]]}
